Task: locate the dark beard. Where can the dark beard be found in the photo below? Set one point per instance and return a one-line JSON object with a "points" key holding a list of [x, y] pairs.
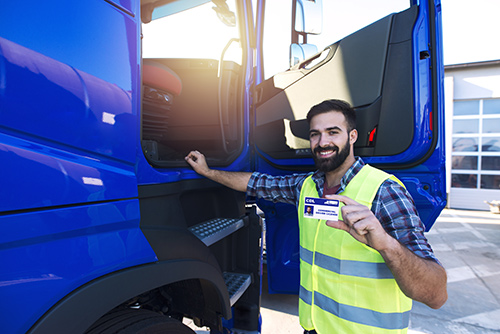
{"points": [[329, 164]]}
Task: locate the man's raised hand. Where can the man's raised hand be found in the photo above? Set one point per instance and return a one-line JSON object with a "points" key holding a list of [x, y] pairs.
{"points": [[197, 161], [234, 180], [360, 222]]}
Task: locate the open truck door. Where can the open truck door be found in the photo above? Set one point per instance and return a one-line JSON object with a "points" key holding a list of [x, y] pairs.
{"points": [[390, 70]]}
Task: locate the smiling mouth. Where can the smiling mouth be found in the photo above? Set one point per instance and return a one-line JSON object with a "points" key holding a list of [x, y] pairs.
{"points": [[325, 153]]}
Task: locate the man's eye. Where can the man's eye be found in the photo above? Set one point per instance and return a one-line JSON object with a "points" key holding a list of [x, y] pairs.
{"points": [[312, 135]]}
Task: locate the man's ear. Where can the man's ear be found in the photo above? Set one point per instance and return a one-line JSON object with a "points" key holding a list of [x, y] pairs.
{"points": [[353, 136]]}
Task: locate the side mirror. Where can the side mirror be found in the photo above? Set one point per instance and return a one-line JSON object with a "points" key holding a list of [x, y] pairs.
{"points": [[225, 15], [308, 16], [300, 52]]}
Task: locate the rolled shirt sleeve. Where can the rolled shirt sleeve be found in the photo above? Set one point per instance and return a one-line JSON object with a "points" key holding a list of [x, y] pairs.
{"points": [[285, 189], [396, 211]]}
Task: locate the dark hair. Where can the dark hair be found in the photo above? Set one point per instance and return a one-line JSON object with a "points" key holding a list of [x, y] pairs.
{"points": [[334, 105]]}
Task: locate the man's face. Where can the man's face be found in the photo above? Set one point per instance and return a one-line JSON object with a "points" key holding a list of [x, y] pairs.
{"points": [[330, 140]]}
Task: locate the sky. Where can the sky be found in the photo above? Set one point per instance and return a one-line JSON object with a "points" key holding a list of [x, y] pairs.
{"points": [[471, 31]]}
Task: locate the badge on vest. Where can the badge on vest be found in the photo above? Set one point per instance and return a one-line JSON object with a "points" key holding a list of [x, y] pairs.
{"points": [[321, 208]]}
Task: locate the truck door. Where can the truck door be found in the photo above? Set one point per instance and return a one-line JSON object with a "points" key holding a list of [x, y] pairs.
{"points": [[68, 131], [390, 69]]}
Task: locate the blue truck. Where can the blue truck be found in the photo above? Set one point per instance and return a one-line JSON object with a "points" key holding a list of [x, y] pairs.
{"points": [[104, 228]]}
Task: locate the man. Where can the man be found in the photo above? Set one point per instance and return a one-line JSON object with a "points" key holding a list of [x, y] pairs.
{"points": [[357, 274], [309, 210]]}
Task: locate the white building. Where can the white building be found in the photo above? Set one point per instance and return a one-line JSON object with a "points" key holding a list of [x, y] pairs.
{"points": [[472, 108]]}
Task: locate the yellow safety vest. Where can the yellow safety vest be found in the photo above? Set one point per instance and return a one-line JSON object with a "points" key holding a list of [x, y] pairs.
{"points": [[345, 285]]}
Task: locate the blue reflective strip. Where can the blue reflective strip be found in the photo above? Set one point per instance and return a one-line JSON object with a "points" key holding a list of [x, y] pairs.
{"points": [[305, 295], [347, 267], [361, 315], [306, 255], [353, 268]]}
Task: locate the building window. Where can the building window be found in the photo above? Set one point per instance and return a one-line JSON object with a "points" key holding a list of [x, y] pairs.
{"points": [[476, 144]]}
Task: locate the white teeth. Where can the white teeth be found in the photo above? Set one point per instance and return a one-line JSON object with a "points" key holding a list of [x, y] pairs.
{"points": [[325, 152]]}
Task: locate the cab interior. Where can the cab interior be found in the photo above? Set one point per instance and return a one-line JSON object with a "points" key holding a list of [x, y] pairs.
{"points": [[192, 103]]}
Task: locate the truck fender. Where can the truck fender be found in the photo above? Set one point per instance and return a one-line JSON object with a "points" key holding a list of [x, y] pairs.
{"points": [[81, 308]]}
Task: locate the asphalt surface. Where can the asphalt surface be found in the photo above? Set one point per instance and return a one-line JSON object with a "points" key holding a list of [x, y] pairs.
{"points": [[468, 245]]}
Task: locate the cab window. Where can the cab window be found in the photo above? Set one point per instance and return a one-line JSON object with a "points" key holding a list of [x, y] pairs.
{"points": [[340, 19]]}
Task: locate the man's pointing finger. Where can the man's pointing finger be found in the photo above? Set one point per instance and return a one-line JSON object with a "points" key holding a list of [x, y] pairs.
{"points": [[344, 199]]}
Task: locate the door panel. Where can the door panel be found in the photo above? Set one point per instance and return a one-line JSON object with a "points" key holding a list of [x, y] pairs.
{"points": [[371, 69], [69, 115], [390, 71]]}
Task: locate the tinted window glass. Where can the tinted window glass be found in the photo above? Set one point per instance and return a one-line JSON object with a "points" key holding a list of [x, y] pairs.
{"points": [[461, 108], [464, 145], [464, 180], [491, 125], [491, 106], [355, 14], [490, 163], [490, 182], [466, 126], [464, 162], [491, 144]]}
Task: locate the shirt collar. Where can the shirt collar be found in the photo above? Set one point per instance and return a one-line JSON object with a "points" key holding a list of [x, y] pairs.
{"points": [[319, 176]]}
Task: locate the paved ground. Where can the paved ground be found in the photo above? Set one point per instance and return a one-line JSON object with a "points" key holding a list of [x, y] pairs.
{"points": [[468, 245]]}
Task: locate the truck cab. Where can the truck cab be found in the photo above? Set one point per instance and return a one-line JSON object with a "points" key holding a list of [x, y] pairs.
{"points": [[104, 225]]}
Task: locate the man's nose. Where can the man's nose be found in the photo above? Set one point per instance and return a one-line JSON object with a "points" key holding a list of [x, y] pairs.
{"points": [[323, 141]]}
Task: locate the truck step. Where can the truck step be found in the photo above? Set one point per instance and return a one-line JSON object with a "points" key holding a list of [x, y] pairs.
{"points": [[216, 229], [236, 285]]}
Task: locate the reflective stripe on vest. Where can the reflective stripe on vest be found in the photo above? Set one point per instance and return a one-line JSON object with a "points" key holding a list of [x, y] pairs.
{"points": [[346, 287], [358, 315]]}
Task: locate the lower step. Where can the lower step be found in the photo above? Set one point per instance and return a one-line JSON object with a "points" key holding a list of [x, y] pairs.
{"points": [[236, 284]]}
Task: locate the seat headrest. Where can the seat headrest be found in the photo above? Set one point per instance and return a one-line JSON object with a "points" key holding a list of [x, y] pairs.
{"points": [[157, 75]]}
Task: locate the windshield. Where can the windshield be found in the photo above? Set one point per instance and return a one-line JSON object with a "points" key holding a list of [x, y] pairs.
{"points": [[198, 32]]}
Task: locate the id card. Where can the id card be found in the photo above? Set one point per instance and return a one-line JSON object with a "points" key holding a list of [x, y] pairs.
{"points": [[321, 208]]}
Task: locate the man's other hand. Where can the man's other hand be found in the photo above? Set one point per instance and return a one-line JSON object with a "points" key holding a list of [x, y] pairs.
{"points": [[197, 160]]}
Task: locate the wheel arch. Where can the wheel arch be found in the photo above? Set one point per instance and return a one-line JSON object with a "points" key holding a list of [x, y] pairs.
{"points": [[82, 307]]}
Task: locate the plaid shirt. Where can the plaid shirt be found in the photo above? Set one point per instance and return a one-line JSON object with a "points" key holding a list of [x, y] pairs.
{"points": [[393, 205]]}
